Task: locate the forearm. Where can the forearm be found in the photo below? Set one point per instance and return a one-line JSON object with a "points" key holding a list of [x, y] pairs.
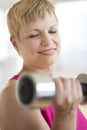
{"points": [[67, 122]]}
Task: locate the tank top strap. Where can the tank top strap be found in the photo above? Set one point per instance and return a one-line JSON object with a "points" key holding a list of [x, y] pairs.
{"points": [[15, 77]]}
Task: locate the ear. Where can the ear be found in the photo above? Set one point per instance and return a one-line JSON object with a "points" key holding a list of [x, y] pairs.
{"points": [[14, 42]]}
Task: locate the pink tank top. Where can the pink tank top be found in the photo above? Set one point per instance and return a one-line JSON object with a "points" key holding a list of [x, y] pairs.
{"points": [[48, 114]]}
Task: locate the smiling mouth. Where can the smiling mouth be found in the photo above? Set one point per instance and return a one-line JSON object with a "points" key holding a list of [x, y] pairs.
{"points": [[48, 52]]}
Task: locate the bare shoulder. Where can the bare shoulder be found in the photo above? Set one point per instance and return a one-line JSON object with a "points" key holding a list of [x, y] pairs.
{"points": [[14, 116]]}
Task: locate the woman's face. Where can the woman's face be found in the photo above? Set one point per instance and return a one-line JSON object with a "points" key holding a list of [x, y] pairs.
{"points": [[40, 42]]}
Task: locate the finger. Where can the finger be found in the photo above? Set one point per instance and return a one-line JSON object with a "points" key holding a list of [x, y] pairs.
{"points": [[79, 90], [67, 90], [59, 96], [76, 91]]}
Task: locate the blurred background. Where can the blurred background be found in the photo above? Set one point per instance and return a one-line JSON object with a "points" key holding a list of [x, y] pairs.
{"points": [[72, 15]]}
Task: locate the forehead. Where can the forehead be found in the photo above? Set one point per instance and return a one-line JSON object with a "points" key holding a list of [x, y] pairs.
{"points": [[48, 21]]}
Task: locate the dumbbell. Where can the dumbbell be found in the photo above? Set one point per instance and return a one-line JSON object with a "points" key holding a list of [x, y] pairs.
{"points": [[37, 90]]}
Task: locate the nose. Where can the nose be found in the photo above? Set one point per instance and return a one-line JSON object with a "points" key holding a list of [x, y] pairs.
{"points": [[46, 39]]}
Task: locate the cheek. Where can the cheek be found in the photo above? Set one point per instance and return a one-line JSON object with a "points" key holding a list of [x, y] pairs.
{"points": [[58, 42], [58, 38], [33, 49], [34, 46]]}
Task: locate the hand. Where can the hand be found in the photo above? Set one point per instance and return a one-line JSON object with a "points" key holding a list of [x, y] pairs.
{"points": [[68, 95]]}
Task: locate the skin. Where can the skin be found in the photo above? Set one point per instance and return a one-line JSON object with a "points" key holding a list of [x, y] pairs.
{"points": [[39, 46]]}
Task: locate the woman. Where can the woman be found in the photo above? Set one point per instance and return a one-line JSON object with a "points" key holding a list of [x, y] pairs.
{"points": [[33, 28]]}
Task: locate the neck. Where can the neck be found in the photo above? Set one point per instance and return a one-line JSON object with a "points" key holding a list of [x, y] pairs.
{"points": [[47, 70]]}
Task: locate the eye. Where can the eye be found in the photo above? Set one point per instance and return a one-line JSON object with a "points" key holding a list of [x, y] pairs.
{"points": [[34, 35], [53, 31]]}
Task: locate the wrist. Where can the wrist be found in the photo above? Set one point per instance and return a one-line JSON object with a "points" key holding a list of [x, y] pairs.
{"points": [[65, 113]]}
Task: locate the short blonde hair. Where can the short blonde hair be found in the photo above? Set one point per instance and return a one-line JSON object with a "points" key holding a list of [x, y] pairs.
{"points": [[26, 11]]}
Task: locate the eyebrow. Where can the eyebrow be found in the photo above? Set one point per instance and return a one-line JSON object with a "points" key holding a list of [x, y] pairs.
{"points": [[54, 26], [37, 29]]}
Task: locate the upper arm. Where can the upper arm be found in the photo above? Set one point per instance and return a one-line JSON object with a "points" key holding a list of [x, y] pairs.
{"points": [[13, 116]]}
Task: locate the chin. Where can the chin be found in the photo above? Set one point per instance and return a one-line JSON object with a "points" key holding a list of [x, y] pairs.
{"points": [[50, 63]]}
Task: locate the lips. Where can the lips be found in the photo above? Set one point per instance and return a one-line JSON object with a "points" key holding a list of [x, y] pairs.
{"points": [[48, 52]]}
